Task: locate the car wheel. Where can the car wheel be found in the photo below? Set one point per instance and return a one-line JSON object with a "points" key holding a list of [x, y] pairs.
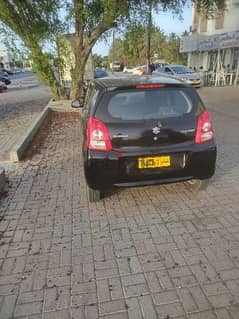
{"points": [[197, 185], [94, 195]]}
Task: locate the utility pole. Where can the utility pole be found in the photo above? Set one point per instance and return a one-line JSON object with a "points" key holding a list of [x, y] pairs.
{"points": [[149, 27]]}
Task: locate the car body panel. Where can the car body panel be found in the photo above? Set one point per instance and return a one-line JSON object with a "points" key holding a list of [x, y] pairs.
{"points": [[5, 80], [3, 87], [128, 69], [106, 170], [139, 70], [133, 141], [99, 73], [188, 76]]}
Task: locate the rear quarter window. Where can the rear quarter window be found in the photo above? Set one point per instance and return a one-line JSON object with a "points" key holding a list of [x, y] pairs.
{"points": [[139, 105]]}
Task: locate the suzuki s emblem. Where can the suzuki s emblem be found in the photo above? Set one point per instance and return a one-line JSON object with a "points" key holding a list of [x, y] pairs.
{"points": [[156, 130]]}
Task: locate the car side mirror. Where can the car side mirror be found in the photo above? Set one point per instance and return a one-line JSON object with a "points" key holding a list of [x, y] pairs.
{"points": [[77, 103]]}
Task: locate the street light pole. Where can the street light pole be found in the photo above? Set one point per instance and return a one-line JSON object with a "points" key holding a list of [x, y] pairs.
{"points": [[149, 26]]}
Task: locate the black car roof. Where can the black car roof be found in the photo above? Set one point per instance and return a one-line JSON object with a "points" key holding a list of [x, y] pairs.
{"points": [[128, 81]]}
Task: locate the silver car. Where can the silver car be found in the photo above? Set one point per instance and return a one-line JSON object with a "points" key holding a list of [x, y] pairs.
{"points": [[180, 72]]}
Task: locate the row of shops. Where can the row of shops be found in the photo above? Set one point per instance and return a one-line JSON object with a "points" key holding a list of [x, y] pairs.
{"points": [[203, 51]]}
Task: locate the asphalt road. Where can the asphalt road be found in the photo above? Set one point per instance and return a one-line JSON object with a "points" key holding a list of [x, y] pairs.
{"points": [[19, 107]]}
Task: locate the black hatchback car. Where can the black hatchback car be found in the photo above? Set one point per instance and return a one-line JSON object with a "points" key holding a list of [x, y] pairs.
{"points": [[145, 131]]}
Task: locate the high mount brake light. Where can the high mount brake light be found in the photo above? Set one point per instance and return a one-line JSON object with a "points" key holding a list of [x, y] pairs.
{"points": [[149, 86], [204, 128], [98, 138]]}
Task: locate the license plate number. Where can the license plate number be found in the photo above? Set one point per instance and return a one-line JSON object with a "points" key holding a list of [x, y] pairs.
{"points": [[154, 162]]}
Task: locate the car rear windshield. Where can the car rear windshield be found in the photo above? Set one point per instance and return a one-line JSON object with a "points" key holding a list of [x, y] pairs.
{"points": [[148, 104]]}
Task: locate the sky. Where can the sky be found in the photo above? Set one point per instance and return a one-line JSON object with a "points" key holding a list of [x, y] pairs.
{"points": [[165, 20]]}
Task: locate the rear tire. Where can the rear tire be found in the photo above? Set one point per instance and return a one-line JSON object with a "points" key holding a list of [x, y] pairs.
{"points": [[197, 185], [94, 195]]}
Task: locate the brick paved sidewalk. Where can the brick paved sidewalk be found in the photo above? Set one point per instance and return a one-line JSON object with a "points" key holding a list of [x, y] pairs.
{"points": [[153, 252]]}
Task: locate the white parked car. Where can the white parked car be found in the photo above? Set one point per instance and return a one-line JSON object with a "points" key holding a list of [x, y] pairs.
{"points": [[140, 70], [128, 69], [180, 72]]}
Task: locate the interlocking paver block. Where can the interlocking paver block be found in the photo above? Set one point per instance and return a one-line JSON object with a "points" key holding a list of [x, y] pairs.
{"points": [[112, 307], [28, 308], [8, 306]]}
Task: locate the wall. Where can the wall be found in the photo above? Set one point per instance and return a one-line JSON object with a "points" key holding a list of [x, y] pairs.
{"points": [[231, 20]]}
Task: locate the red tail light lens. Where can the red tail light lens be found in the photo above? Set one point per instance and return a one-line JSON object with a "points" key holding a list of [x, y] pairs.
{"points": [[149, 86], [204, 128], [98, 138]]}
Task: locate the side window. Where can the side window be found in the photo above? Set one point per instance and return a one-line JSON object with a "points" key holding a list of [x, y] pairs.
{"points": [[88, 93], [91, 97], [167, 70]]}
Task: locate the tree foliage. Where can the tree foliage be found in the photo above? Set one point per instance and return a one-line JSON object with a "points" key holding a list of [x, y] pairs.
{"points": [[131, 49], [39, 23]]}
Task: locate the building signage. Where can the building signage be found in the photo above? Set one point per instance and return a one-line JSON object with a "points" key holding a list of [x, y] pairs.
{"points": [[207, 43], [229, 40]]}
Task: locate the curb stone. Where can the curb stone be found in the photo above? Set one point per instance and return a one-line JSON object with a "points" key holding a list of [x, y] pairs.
{"points": [[18, 150], [2, 179], [20, 87]]}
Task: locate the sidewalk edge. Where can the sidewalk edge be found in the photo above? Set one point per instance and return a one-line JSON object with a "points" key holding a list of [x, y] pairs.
{"points": [[18, 150], [2, 179]]}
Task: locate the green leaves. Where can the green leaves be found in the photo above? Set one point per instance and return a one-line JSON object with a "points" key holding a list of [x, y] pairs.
{"points": [[38, 23]]}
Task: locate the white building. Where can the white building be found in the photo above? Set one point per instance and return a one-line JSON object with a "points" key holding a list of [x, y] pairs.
{"points": [[210, 36], [6, 60]]}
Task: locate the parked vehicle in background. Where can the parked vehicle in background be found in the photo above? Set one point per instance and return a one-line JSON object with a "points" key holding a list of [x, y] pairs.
{"points": [[140, 70], [115, 66], [5, 80], [159, 64], [3, 87], [99, 73], [128, 69], [181, 72], [143, 131], [9, 72], [3, 73]]}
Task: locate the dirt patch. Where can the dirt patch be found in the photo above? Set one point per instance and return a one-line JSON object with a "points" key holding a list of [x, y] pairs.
{"points": [[52, 124]]}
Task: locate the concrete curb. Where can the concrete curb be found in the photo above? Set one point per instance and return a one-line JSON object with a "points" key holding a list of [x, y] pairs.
{"points": [[23, 87], [18, 150], [2, 179]]}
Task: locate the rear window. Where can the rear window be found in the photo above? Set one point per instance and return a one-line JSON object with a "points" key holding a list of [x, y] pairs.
{"points": [[150, 104]]}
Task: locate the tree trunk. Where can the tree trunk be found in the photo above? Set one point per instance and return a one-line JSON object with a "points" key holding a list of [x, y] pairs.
{"points": [[43, 67], [77, 74]]}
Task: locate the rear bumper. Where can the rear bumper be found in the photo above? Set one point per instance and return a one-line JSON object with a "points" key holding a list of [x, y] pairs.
{"points": [[196, 84], [104, 170]]}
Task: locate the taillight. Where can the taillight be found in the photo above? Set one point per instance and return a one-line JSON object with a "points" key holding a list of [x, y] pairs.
{"points": [[204, 128], [97, 138], [149, 86]]}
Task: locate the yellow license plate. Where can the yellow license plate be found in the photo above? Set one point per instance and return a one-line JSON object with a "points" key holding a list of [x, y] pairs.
{"points": [[154, 162]]}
